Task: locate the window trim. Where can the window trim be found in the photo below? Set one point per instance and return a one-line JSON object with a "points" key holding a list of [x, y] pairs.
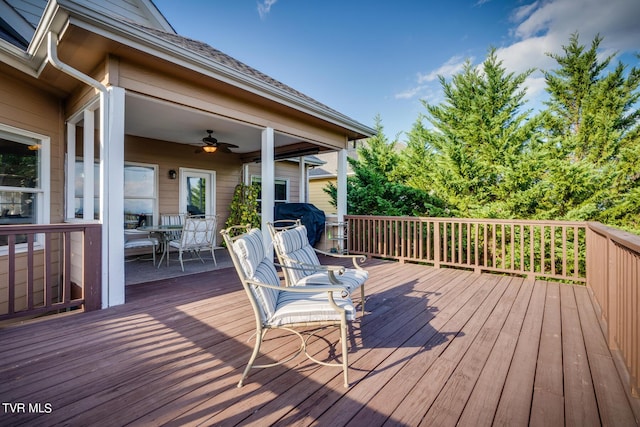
{"points": [[156, 192], [287, 182]]}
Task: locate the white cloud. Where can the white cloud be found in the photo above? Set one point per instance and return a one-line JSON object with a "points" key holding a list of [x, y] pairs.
{"points": [[544, 26], [424, 82], [453, 66], [264, 7]]}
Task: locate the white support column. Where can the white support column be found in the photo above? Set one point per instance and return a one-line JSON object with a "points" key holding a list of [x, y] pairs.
{"points": [[267, 182], [112, 196], [302, 189], [245, 174], [88, 141], [341, 198], [70, 175]]}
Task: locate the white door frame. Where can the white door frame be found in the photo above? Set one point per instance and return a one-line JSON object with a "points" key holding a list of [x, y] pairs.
{"points": [[210, 178]]}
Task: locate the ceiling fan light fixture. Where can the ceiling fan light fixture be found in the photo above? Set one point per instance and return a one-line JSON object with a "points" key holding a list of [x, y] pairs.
{"points": [[209, 148]]}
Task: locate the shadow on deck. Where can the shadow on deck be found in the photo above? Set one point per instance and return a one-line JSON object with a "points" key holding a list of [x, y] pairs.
{"points": [[436, 347]]}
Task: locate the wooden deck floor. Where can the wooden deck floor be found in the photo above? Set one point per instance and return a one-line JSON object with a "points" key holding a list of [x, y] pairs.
{"points": [[436, 347]]}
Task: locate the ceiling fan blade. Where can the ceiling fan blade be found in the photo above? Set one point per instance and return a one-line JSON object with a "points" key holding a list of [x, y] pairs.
{"points": [[226, 144], [199, 150]]}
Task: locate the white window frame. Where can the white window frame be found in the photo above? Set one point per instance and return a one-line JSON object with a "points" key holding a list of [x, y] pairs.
{"points": [[256, 179], [155, 197], [43, 191]]}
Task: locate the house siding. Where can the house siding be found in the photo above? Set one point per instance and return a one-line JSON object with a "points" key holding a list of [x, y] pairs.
{"points": [[181, 88], [24, 105], [284, 170], [167, 156], [318, 197]]}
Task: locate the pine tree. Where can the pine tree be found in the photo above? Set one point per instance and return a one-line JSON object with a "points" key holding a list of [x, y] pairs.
{"points": [[374, 188], [592, 132], [482, 147]]}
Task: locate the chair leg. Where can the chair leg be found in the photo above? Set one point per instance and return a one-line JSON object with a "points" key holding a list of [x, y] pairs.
{"points": [[181, 263], [362, 298], [254, 355], [213, 254], [345, 350]]}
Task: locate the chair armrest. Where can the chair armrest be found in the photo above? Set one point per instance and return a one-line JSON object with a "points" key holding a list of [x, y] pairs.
{"points": [[356, 259], [331, 270], [309, 289]]}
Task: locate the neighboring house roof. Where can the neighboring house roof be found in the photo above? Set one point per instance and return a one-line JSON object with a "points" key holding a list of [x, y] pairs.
{"points": [[330, 168], [308, 160]]}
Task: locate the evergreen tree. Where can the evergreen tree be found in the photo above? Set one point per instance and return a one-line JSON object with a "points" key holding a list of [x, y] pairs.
{"points": [[592, 127], [374, 190], [482, 149]]}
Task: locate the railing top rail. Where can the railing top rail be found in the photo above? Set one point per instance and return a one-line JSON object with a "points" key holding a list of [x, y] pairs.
{"points": [[473, 220], [623, 238], [43, 228]]}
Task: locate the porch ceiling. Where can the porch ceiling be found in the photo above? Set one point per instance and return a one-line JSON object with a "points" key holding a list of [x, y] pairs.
{"points": [[153, 119]]}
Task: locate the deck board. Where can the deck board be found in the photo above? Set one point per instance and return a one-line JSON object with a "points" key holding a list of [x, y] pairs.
{"points": [[435, 347]]}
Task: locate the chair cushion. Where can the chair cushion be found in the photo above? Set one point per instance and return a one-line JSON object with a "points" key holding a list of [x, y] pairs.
{"points": [[292, 239], [250, 251], [141, 243], [352, 279], [295, 307], [267, 298]]}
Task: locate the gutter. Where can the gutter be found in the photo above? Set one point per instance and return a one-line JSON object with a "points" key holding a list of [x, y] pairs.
{"points": [[52, 58]]}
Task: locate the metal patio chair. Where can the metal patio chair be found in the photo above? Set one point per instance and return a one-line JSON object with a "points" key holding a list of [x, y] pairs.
{"points": [[288, 308], [198, 234], [294, 250]]}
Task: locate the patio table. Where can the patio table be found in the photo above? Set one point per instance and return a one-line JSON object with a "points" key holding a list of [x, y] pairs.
{"points": [[164, 231]]}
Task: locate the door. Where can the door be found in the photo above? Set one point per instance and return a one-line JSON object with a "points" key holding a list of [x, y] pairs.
{"points": [[197, 192]]}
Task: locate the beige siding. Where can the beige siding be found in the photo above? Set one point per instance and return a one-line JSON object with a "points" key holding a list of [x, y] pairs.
{"points": [[24, 105], [318, 197], [217, 99], [167, 156], [288, 171]]}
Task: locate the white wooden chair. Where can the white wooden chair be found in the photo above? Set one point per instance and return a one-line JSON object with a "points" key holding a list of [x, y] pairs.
{"points": [[198, 234], [279, 307], [294, 250]]}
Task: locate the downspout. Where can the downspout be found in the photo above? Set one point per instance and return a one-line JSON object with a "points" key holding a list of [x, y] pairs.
{"points": [[52, 58]]}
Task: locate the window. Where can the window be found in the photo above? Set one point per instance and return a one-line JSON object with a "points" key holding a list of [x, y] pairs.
{"points": [[140, 194], [281, 194], [79, 189], [24, 193]]}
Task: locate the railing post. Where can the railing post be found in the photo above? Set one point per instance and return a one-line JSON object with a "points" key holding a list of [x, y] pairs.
{"points": [[436, 244], [611, 289], [92, 286]]}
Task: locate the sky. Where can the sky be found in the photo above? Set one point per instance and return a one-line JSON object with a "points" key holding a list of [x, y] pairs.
{"points": [[370, 58]]}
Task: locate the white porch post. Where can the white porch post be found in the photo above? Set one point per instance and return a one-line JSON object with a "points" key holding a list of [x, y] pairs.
{"points": [[267, 182], [88, 140], [302, 189], [70, 175], [112, 196], [341, 198]]}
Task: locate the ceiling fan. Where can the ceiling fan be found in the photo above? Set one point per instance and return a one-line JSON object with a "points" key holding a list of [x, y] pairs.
{"points": [[211, 145]]}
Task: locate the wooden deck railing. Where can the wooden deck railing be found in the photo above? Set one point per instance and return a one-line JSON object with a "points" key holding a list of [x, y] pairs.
{"points": [[607, 260], [548, 249], [613, 272], [46, 268]]}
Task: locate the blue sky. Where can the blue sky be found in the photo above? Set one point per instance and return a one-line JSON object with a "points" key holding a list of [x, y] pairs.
{"points": [[365, 58]]}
